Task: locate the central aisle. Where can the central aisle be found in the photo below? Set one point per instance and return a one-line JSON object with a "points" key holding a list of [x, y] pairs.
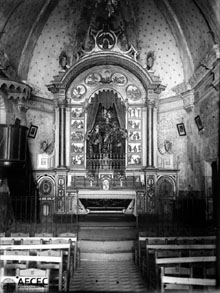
{"points": [[106, 245], [107, 276]]}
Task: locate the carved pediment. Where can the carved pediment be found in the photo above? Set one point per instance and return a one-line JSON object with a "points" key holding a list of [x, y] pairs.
{"points": [[106, 40]]}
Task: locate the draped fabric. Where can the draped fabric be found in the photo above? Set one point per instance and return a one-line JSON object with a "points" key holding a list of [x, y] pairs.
{"points": [[92, 113], [107, 99], [120, 109]]}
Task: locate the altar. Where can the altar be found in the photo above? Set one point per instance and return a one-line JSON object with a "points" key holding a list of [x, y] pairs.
{"points": [[106, 141], [87, 201]]}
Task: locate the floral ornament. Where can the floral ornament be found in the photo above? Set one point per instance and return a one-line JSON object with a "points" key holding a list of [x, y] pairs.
{"points": [[78, 91], [93, 78], [90, 177]]}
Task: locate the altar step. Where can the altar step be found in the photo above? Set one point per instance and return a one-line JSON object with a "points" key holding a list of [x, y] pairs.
{"points": [[102, 220], [106, 250], [104, 256], [101, 244]]}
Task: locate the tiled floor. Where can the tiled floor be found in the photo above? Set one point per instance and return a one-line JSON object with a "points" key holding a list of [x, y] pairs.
{"points": [[104, 276]]}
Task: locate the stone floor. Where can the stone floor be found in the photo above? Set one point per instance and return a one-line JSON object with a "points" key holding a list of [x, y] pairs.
{"points": [[117, 274], [104, 276]]}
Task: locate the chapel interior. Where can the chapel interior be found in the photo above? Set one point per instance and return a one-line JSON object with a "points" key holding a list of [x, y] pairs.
{"points": [[109, 131]]}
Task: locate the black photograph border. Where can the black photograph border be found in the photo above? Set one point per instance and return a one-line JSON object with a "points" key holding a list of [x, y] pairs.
{"points": [[32, 131], [181, 129]]}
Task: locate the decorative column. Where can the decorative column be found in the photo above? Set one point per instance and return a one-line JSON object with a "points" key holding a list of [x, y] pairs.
{"points": [[144, 136], [62, 133], [150, 133]]}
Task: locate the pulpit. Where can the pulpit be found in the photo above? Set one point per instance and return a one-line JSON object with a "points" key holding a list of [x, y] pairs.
{"points": [[13, 144]]}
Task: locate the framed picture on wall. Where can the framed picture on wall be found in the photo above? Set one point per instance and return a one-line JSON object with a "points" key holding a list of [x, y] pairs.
{"points": [[181, 129], [199, 122], [32, 131]]}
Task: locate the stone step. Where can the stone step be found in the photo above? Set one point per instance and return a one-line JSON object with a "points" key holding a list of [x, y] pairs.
{"points": [[105, 246], [95, 224], [107, 234], [106, 256], [106, 219]]}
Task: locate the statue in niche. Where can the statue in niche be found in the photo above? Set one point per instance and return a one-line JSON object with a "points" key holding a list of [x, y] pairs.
{"points": [[106, 137], [150, 60], [118, 137], [63, 61], [95, 140]]}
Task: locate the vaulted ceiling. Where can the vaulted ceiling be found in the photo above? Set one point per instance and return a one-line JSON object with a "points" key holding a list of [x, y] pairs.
{"points": [[180, 32]]}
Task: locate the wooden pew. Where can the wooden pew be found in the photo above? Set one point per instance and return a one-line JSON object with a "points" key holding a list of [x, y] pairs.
{"points": [[143, 239], [72, 259], [54, 266], [190, 259], [193, 262], [154, 252], [34, 248], [6, 240], [17, 237], [45, 237], [31, 240], [183, 272], [63, 238], [21, 235], [180, 278], [40, 258], [190, 249], [11, 265], [73, 238]]}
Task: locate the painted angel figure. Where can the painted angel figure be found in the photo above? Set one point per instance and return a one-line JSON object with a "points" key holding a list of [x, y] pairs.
{"points": [[46, 157], [46, 147]]}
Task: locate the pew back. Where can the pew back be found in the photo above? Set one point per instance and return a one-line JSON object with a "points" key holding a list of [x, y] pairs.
{"points": [[143, 240], [49, 259], [52, 265], [180, 278]]}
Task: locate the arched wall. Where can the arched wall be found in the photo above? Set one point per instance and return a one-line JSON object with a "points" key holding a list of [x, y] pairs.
{"points": [[109, 58]]}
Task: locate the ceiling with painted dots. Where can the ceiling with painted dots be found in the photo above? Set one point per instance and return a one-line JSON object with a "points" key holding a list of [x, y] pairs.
{"points": [[34, 33], [155, 35]]}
